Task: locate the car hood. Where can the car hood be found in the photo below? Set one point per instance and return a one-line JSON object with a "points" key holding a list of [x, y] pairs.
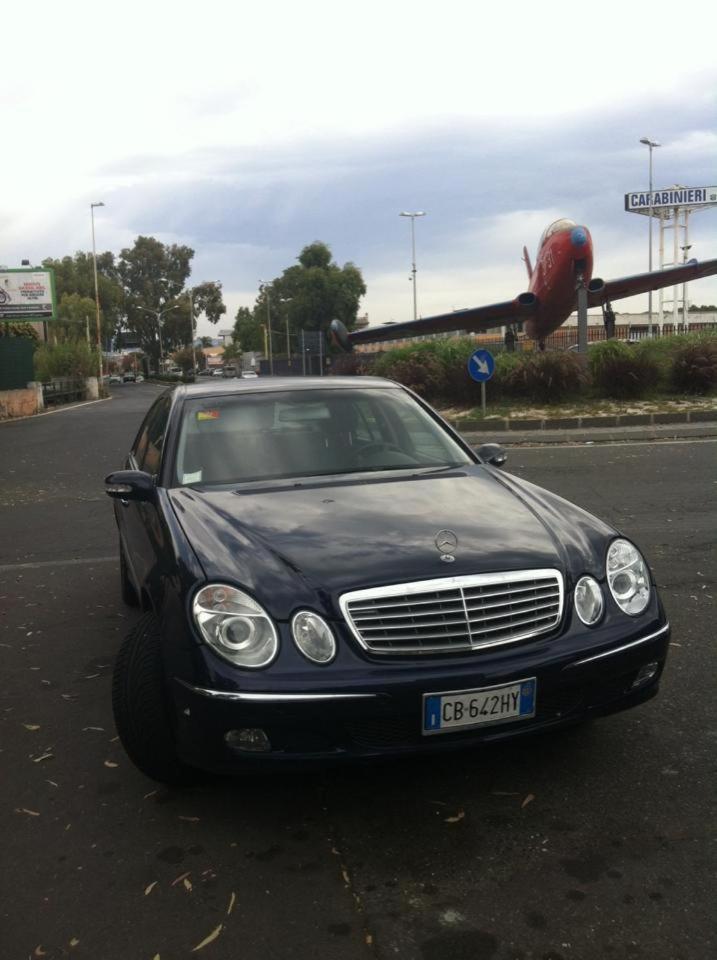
{"points": [[310, 541]]}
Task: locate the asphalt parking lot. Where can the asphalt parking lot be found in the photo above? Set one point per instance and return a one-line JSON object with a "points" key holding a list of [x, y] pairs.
{"points": [[594, 843]]}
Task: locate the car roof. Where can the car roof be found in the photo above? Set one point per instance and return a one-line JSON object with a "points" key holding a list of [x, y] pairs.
{"points": [[280, 384]]}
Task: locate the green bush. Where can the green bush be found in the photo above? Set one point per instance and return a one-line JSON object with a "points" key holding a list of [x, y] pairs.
{"points": [[71, 358], [694, 366], [544, 377], [623, 371], [416, 367]]}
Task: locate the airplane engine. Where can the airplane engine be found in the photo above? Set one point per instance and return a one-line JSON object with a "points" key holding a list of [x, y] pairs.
{"points": [[527, 299], [596, 285]]}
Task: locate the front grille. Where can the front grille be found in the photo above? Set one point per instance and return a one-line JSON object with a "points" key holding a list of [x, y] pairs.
{"points": [[455, 614]]}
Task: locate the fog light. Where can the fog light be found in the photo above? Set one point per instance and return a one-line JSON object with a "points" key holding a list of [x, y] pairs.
{"points": [[645, 673], [251, 739]]}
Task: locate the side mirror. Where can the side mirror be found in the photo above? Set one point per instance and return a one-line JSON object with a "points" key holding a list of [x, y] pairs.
{"points": [[130, 485], [492, 453]]}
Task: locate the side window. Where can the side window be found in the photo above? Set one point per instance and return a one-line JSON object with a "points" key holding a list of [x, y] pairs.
{"points": [[148, 452]]}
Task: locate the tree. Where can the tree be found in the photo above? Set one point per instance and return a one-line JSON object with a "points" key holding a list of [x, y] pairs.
{"points": [[153, 276], [75, 316], [232, 351], [74, 276], [312, 293], [247, 331], [206, 341], [184, 358]]}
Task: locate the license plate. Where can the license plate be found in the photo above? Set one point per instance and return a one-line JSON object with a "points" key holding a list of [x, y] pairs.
{"points": [[461, 709]]}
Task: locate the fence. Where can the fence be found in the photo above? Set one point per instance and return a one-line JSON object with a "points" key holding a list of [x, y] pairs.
{"points": [[16, 368]]}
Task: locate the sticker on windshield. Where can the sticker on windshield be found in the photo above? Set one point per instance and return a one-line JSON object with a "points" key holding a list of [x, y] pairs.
{"points": [[207, 415], [192, 477]]}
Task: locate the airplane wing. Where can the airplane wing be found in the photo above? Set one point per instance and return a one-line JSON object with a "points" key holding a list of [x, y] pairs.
{"points": [[643, 282], [472, 320]]}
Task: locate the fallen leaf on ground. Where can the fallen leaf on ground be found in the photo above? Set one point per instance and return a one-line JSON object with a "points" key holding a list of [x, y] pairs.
{"points": [[91, 676], [39, 952], [74, 942], [187, 885], [180, 878], [505, 793], [69, 696], [45, 756], [189, 819], [98, 729], [153, 793], [459, 816], [111, 764], [30, 813], [369, 939], [150, 888], [207, 940], [528, 799], [31, 726], [232, 901], [51, 782]]}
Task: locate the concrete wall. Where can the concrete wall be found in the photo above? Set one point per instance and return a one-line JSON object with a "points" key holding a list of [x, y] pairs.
{"points": [[21, 403]]}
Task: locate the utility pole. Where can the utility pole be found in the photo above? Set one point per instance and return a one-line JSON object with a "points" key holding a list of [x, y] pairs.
{"points": [[265, 287]]}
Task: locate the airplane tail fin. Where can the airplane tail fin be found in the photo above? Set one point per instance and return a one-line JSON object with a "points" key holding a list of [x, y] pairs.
{"points": [[526, 261]]}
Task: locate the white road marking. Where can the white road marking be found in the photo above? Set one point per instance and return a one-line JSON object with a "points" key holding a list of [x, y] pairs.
{"points": [[7, 567]]}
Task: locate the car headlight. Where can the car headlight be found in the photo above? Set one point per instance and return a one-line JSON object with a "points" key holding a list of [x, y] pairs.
{"points": [[313, 637], [628, 577], [235, 626], [589, 601]]}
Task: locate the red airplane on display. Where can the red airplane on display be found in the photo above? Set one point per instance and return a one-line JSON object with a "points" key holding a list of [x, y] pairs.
{"points": [[564, 261]]}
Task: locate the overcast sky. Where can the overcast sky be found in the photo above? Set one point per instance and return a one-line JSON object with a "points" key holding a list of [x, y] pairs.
{"points": [[249, 131]]}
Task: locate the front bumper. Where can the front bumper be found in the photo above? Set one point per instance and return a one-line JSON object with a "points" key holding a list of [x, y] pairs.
{"points": [[385, 718]]}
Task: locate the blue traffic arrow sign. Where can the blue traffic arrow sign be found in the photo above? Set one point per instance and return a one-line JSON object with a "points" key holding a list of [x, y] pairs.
{"points": [[481, 365]]}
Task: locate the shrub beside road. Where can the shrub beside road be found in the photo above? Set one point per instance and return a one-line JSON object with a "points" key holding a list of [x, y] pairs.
{"points": [[684, 364]]}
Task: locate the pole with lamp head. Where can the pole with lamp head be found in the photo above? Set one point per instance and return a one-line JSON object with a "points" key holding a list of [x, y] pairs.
{"points": [[97, 293], [418, 213], [650, 144]]}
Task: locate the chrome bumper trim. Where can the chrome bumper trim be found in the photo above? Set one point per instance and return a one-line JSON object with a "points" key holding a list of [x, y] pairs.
{"points": [[274, 697], [625, 646]]}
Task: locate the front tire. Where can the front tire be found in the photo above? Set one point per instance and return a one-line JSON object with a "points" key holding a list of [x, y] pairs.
{"points": [[141, 709]]}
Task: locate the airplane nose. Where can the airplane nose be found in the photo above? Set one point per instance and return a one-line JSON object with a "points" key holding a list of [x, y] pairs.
{"points": [[578, 237]]}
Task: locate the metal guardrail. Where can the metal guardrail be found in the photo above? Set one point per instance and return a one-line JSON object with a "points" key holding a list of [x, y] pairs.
{"points": [[63, 391]]}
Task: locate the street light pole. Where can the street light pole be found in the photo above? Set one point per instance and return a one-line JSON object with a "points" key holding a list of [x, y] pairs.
{"points": [[418, 213], [650, 144], [97, 293]]}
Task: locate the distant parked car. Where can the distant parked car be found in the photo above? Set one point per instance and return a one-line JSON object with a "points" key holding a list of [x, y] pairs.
{"points": [[218, 373], [230, 371], [205, 373], [139, 378], [115, 378], [249, 374], [129, 377]]}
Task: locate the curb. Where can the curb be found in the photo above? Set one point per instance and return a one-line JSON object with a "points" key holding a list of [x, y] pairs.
{"points": [[62, 408], [508, 425]]}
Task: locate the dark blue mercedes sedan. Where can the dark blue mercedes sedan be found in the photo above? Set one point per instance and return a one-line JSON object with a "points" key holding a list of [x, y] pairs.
{"points": [[327, 571]]}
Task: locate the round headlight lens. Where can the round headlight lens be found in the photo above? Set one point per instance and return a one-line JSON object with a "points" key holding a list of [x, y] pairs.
{"points": [[589, 601], [234, 625], [313, 637], [628, 577]]}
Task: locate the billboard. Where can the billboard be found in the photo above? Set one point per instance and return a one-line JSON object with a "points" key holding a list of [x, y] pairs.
{"points": [[639, 202], [27, 294]]}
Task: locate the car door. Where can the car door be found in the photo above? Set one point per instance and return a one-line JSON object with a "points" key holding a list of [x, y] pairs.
{"points": [[141, 529]]}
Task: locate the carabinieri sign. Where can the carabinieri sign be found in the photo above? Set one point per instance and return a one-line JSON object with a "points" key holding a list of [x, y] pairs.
{"points": [[674, 197]]}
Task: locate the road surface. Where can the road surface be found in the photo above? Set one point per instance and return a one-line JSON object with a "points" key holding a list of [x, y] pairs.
{"points": [[597, 843]]}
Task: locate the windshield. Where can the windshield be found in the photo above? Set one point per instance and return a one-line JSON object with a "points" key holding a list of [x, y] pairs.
{"points": [[305, 433], [558, 226]]}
